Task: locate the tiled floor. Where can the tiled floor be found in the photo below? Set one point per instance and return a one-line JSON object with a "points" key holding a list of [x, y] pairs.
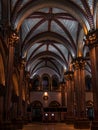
{"points": [[58, 126]]}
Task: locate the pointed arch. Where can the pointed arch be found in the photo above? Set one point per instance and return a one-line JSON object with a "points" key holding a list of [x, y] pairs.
{"points": [[31, 7], [54, 104], [52, 36]]}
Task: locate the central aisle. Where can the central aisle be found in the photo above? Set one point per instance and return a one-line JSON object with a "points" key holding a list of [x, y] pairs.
{"points": [[55, 126]]}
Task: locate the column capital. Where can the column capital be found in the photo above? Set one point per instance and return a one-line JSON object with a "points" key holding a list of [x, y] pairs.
{"points": [[69, 75], [62, 83], [92, 38], [13, 37], [79, 63]]}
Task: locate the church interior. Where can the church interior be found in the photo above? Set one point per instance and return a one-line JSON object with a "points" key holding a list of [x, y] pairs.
{"points": [[48, 64]]}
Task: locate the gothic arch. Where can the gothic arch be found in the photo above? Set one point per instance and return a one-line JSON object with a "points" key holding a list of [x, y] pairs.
{"points": [[39, 4], [45, 81], [54, 104], [36, 77], [51, 36], [35, 82], [48, 54], [55, 82], [36, 103]]}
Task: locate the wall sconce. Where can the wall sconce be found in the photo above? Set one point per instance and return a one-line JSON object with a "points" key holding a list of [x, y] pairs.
{"points": [[45, 96]]}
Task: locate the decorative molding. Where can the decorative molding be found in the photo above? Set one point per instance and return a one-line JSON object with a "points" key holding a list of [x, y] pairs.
{"points": [[92, 39], [13, 37], [79, 63], [69, 75]]}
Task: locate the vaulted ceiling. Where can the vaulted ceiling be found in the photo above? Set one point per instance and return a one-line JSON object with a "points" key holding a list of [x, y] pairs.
{"points": [[52, 33]]}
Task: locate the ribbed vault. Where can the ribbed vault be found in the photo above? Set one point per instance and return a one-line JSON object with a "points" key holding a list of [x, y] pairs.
{"points": [[52, 32]]}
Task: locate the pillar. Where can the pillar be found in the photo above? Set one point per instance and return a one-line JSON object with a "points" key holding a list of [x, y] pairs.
{"points": [[18, 123], [15, 99], [2, 92], [20, 109], [63, 94], [12, 39], [92, 43], [26, 92], [69, 76], [79, 79]]}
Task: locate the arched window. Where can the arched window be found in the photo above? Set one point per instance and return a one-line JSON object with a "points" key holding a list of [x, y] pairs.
{"points": [[36, 104], [55, 83], [54, 104], [45, 82], [36, 83]]}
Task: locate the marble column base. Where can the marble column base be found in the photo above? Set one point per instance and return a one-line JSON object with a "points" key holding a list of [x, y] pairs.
{"points": [[94, 125], [81, 124]]}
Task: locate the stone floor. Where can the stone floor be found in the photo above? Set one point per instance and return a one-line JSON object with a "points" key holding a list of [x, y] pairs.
{"points": [[55, 126]]}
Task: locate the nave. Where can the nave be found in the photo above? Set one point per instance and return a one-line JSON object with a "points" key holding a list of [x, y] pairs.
{"points": [[52, 126], [48, 64]]}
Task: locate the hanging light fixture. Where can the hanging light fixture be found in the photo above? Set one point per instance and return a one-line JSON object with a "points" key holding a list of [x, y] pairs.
{"points": [[45, 96]]}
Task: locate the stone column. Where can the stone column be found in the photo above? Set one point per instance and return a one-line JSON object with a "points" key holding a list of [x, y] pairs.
{"points": [[63, 93], [79, 79], [69, 76], [26, 92], [13, 37], [14, 108], [22, 67], [2, 92], [19, 121], [92, 43]]}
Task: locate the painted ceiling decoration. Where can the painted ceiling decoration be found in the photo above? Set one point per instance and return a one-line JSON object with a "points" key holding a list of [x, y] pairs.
{"points": [[53, 32]]}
